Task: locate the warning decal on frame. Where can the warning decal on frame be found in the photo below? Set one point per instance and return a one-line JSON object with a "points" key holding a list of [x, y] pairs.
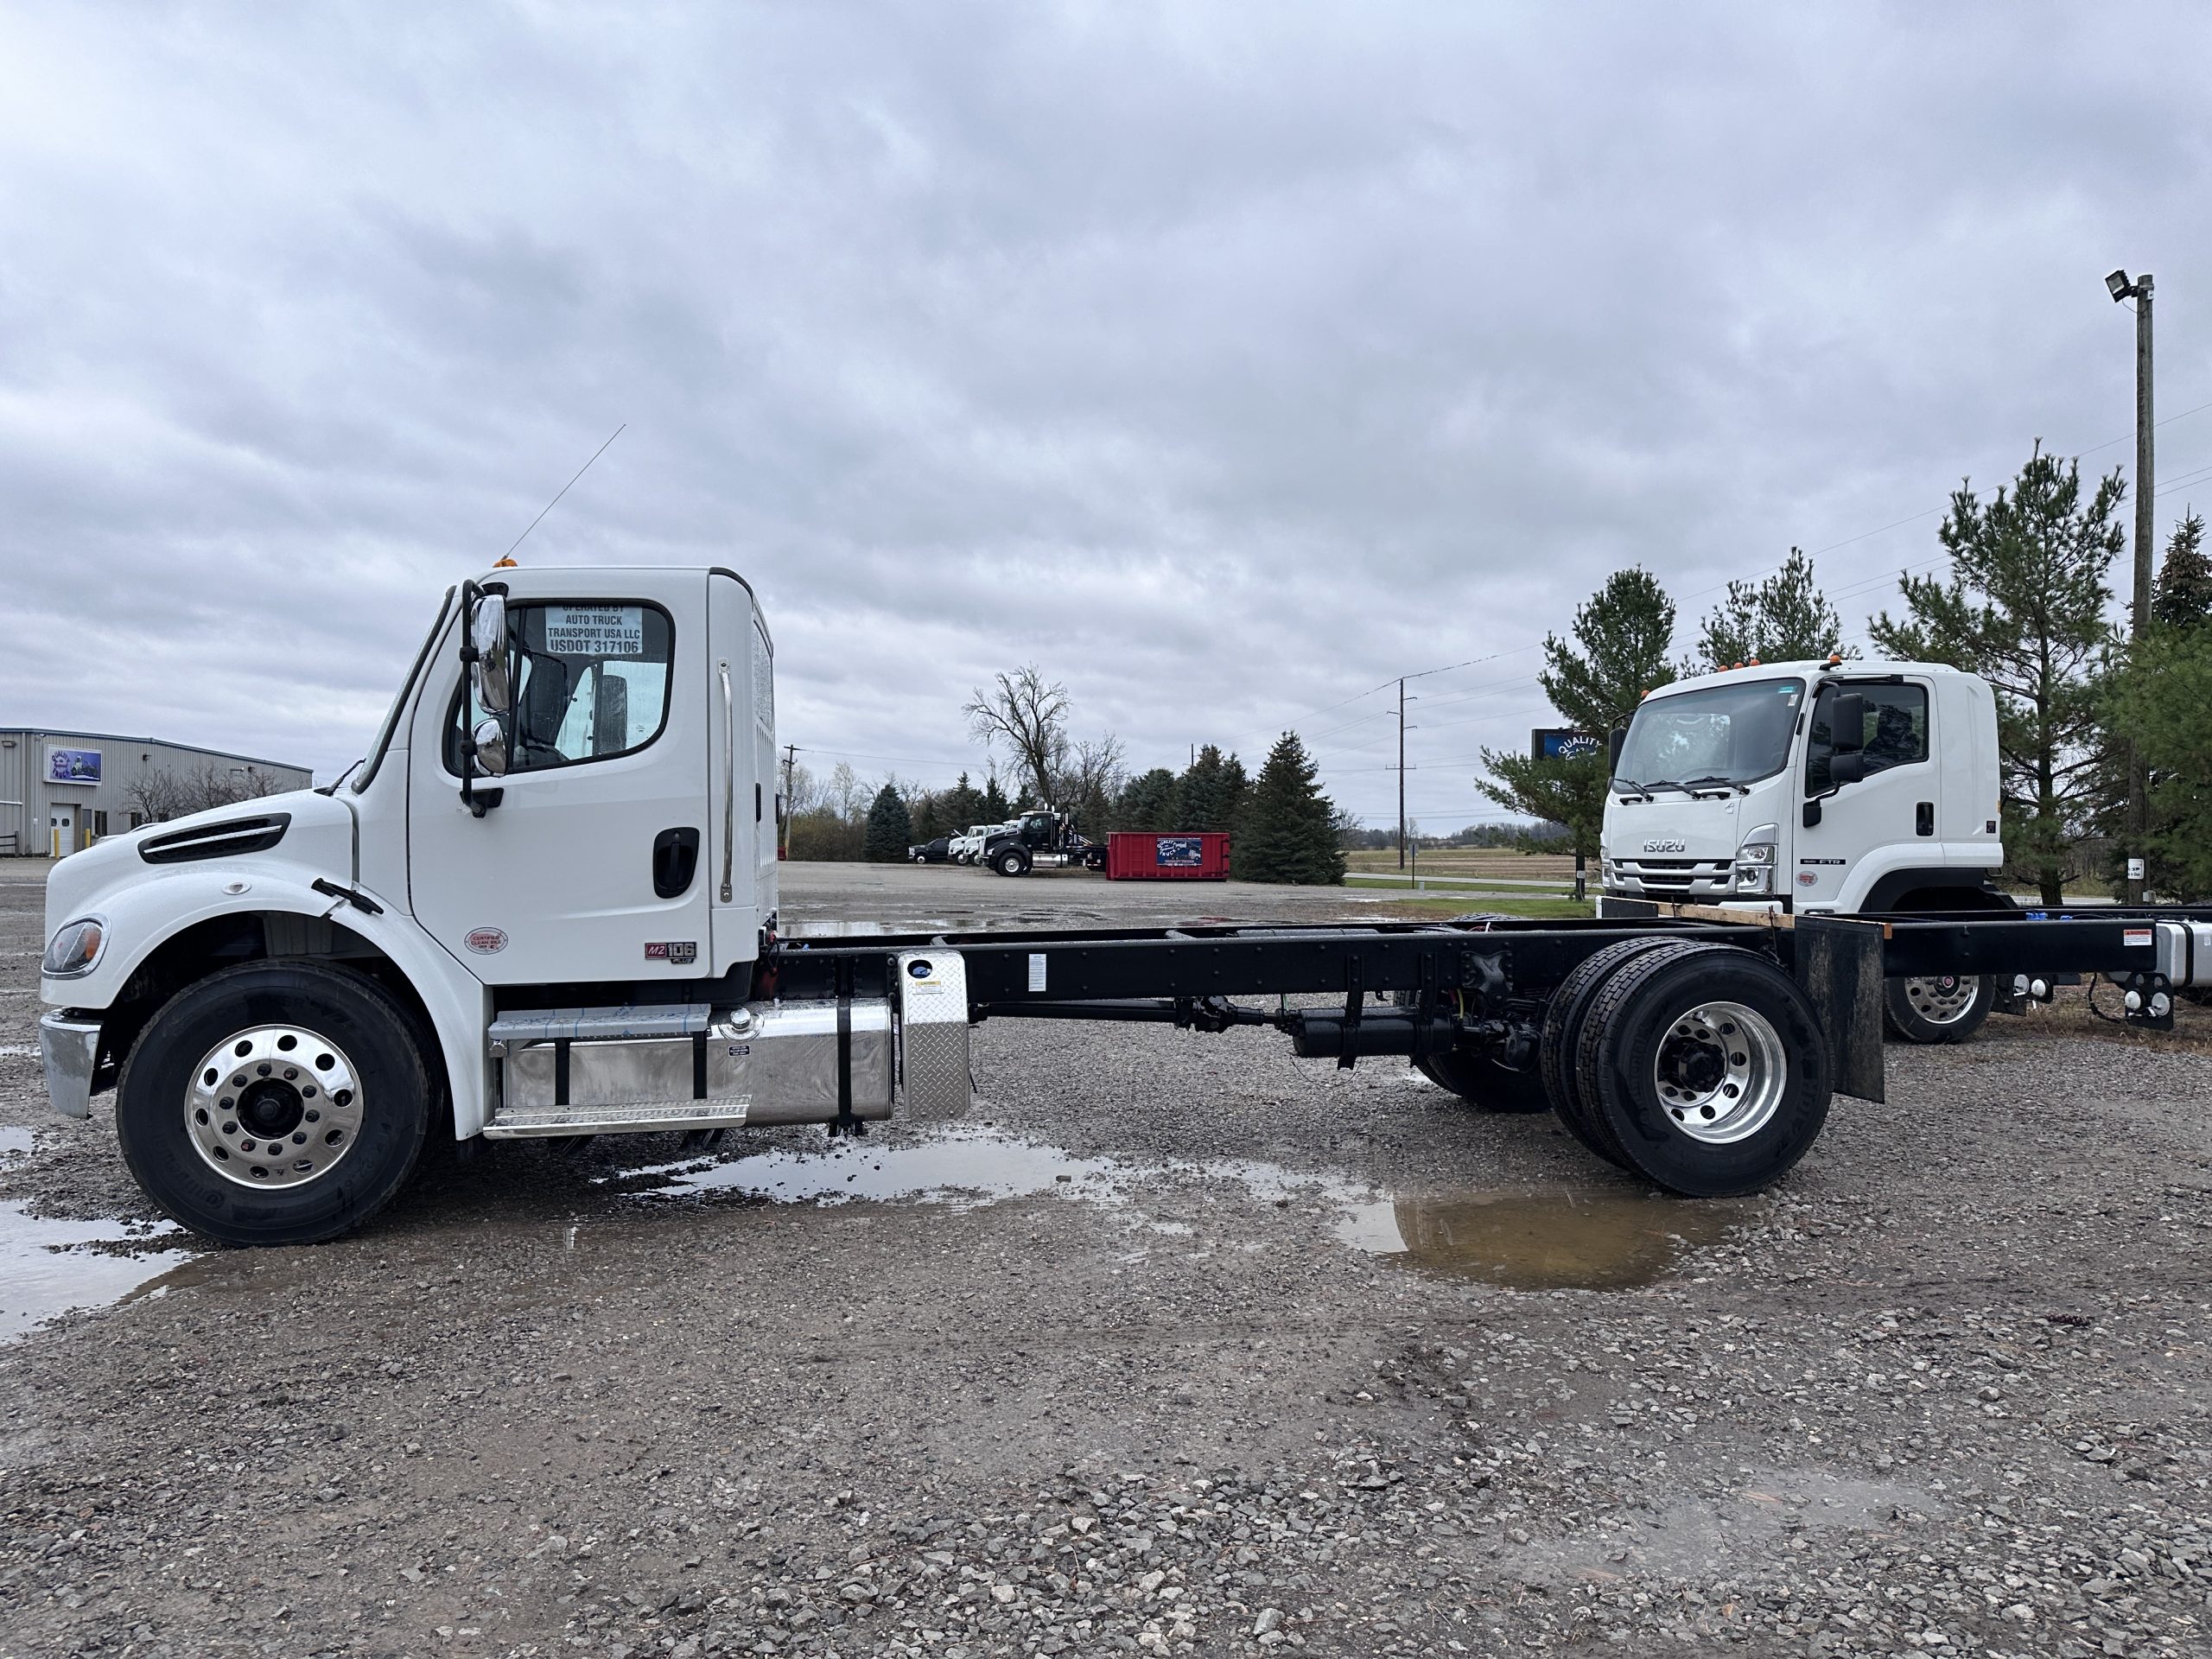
{"points": [[1036, 970], [598, 630]]}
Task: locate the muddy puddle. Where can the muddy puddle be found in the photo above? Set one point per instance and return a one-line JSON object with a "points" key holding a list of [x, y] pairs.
{"points": [[1523, 1238], [48, 1267], [1539, 1238]]}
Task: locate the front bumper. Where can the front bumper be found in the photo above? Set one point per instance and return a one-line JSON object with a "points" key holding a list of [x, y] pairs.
{"points": [[70, 1044]]}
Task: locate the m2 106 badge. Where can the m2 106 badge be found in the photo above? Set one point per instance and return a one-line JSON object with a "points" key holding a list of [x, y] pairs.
{"points": [[677, 952]]}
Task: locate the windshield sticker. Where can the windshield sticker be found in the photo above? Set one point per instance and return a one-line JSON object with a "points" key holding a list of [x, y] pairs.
{"points": [[597, 630]]}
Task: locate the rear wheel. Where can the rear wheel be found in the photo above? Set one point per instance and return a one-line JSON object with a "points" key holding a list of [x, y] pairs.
{"points": [[274, 1104], [1708, 1068], [1937, 1008], [1563, 1021]]}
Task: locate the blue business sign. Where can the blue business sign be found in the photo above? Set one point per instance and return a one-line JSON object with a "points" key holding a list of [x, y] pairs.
{"points": [[72, 766], [1178, 853], [1562, 743]]}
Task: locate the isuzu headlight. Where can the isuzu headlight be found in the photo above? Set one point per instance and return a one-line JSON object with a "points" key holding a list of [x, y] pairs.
{"points": [[74, 948], [1754, 863]]}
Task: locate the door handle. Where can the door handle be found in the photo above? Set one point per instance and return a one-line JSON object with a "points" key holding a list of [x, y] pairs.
{"points": [[1924, 818], [730, 781], [676, 860]]}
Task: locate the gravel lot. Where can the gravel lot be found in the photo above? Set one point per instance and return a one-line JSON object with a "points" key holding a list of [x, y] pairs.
{"points": [[1178, 1344]]}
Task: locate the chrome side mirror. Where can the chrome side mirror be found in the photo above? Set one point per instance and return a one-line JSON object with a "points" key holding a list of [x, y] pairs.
{"points": [[490, 668], [489, 759]]}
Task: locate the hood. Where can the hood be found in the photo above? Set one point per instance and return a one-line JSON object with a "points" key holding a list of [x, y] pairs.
{"points": [[297, 830], [1704, 828], [1710, 826]]}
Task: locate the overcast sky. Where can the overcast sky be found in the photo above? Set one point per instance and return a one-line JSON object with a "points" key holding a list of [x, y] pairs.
{"points": [[1224, 360]]}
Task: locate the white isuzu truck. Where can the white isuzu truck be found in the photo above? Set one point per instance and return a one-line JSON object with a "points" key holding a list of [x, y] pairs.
{"points": [[1831, 787], [545, 905]]}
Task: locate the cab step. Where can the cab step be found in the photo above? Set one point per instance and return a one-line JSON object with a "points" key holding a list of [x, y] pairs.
{"points": [[525, 1123]]}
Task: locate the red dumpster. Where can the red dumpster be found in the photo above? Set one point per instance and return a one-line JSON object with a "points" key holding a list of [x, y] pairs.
{"points": [[1143, 855]]}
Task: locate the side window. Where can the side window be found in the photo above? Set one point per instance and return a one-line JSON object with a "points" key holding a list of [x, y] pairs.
{"points": [[1895, 733], [591, 682]]}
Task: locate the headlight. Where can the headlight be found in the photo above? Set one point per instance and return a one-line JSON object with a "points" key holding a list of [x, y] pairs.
{"points": [[75, 947], [1755, 854]]}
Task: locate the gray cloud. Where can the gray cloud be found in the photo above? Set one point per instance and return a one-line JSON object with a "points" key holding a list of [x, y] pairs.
{"points": [[1226, 360]]}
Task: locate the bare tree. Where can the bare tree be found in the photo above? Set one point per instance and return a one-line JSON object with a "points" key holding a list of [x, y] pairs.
{"points": [[1030, 718], [160, 796], [1090, 776]]}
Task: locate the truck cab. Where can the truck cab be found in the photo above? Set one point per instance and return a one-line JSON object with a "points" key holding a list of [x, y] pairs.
{"points": [[536, 908], [1825, 787]]}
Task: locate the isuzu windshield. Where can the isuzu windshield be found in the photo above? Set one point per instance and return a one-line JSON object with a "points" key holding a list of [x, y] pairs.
{"points": [[1713, 738]]}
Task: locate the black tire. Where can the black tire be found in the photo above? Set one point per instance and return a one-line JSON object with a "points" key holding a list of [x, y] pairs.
{"points": [[1659, 1039], [1010, 861], [1930, 1009], [342, 1010], [1563, 1019], [1480, 1079], [1484, 1084]]}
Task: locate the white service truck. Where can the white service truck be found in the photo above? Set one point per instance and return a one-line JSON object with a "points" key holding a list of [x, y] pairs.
{"points": [[545, 905], [1830, 787]]}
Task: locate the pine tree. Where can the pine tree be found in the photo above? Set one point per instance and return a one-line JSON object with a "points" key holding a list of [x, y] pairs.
{"points": [[1783, 619], [890, 828], [1289, 833], [994, 806], [2158, 703], [2025, 606], [1211, 795], [1147, 802], [960, 806], [2183, 598], [1624, 633]]}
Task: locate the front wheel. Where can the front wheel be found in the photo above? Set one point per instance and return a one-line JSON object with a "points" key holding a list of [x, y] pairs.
{"points": [[1011, 861], [1937, 1008], [274, 1104]]}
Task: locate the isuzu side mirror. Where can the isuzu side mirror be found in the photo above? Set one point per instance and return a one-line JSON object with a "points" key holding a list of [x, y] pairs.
{"points": [[1848, 739], [1616, 741]]}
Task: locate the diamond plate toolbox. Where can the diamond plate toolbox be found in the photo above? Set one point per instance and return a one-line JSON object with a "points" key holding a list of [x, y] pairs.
{"points": [[933, 1031]]}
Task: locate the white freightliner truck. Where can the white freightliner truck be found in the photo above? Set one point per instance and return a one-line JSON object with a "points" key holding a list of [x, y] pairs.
{"points": [[1732, 789], [545, 905]]}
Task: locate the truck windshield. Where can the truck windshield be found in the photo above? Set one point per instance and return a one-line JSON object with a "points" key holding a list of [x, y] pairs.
{"points": [[1733, 734]]}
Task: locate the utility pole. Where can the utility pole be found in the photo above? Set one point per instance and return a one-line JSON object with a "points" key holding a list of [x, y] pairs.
{"points": [[1401, 771], [790, 760], [2138, 806]]}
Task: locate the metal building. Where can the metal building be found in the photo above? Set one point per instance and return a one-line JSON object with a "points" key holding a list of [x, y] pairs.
{"points": [[63, 790]]}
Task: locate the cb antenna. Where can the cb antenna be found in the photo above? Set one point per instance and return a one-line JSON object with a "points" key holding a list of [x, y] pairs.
{"points": [[507, 557]]}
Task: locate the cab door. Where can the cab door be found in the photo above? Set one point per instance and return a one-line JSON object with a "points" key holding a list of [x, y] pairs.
{"points": [[1878, 822], [588, 861]]}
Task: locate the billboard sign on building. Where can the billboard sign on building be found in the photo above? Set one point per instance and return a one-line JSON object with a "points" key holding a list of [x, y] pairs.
{"points": [[1562, 743], [72, 766]]}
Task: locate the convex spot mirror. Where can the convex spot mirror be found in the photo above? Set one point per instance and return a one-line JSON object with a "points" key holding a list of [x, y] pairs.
{"points": [[490, 759]]}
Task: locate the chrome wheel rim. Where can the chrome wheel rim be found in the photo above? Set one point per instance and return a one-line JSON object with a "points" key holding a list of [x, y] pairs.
{"points": [[273, 1106], [1720, 1072], [1943, 999]]}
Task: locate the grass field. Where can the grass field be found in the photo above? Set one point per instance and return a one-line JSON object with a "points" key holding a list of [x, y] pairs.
{"points": [[1443, 906], [1470, 861]]}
